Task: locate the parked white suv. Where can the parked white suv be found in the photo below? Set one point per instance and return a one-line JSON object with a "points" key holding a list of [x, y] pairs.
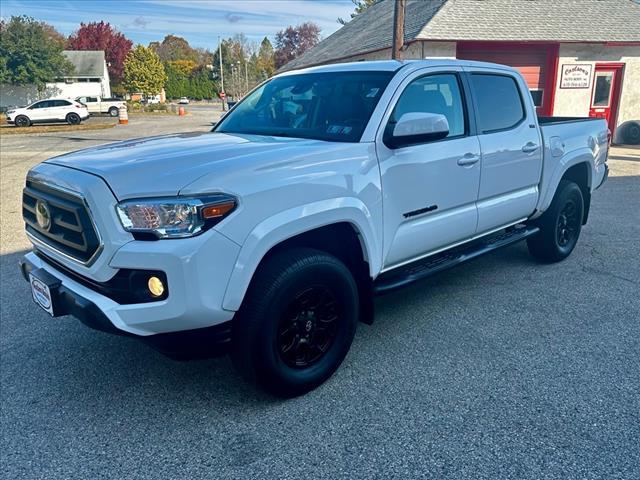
{"points": [[48, 111], [270, 236]]}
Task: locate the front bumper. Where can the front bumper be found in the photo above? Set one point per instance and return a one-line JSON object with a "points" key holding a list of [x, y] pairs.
{"points": [[186, 344], [197, 272], [69, 302]]}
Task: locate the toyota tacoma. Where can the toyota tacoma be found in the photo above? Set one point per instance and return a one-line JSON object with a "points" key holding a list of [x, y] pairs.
{"points": [[269, 236]]}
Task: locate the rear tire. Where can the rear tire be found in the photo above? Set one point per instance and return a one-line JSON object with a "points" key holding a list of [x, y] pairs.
{"points": [[114, 111], [73, 119], [296, 323], [560, 225], [22, 121]]}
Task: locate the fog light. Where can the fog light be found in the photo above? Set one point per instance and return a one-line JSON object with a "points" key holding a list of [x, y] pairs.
{"points": [[156, 287]]}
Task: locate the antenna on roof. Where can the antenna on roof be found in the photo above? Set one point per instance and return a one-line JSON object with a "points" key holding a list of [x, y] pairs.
{"points": [[398, 30]]}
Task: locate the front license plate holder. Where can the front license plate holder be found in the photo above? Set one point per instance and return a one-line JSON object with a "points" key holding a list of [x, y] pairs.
{"points": [[45, 291]]}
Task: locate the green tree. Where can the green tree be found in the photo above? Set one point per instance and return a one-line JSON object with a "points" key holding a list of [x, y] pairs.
{"points": [[29, 54], [265, 63], [143, 72], [202, 86], [360, 6], [185, 81], [177, 81]]}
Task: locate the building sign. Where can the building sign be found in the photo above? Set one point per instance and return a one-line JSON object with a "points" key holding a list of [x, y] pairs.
{"points": [[576, 75]]}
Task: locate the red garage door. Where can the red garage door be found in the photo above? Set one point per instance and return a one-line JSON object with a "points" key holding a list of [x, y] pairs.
{"points": [[537, 63]]}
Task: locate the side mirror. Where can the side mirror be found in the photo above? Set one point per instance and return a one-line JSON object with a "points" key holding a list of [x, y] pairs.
{"points": [[416, 127]]}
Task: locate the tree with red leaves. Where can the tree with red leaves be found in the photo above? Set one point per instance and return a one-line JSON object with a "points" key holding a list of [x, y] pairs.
{"points": [[102, 36], [294, 41]]}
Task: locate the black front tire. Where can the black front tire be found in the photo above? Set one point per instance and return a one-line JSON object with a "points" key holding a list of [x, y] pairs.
{"points": [[560, 225], [296, 323], [73, 119], [22, 121]]}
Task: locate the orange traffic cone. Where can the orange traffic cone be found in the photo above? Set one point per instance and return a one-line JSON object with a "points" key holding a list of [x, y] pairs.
{"points": [[123, 117]]}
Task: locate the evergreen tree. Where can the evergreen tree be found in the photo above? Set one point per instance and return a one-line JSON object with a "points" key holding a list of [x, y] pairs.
{"points": [[265, 61]]}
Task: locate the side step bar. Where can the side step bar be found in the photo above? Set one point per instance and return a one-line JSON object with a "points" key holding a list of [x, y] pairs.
{"points": [[402, 276]]}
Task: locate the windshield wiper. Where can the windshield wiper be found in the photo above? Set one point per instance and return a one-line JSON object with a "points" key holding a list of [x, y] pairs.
{"points": [[281, 133], [277, 133]]}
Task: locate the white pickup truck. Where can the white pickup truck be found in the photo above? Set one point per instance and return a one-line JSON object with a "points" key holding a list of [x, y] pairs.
{"points": [[269, 236], [97, 105]]}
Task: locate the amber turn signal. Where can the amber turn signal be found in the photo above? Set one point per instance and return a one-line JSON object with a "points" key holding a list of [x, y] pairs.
{"points": [[218, 210]]}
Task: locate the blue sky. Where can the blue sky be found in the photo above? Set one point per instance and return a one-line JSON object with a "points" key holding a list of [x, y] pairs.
{"points": [[199, 21]]}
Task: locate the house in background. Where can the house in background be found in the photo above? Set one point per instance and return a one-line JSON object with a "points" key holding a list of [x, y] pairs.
{"points": [[579, 58], [89, 78]]}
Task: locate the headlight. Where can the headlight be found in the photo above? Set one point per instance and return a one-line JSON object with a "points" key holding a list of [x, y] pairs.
{"points": [[176, 217], [10, 112]]}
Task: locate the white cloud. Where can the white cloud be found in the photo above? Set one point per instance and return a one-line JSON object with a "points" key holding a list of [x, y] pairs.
{"points": [[200, 22], [273, 13]]}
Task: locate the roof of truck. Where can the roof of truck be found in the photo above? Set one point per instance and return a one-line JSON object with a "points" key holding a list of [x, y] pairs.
{"points": [[394, 65]]}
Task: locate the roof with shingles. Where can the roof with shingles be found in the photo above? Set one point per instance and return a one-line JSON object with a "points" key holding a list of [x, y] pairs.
{"points": [[482, 20], [88, 63]]}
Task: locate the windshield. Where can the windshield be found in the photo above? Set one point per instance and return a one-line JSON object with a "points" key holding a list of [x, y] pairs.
{"points": [[333, 106]]}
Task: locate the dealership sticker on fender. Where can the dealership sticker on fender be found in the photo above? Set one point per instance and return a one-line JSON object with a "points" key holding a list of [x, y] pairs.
{"points": [[41, 294]]}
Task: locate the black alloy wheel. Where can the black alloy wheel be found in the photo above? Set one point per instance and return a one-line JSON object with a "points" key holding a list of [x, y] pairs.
{"points": [[568, 224], [308, 327]]}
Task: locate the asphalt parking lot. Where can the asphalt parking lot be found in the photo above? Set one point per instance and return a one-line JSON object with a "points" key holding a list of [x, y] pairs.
{"points": [[501, 368]]}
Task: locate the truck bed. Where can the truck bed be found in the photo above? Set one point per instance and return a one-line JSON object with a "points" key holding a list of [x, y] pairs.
{"points": [[564, 136]]}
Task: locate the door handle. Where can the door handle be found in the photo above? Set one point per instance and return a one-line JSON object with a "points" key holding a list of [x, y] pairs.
{"points": [[468, 159], [530, 147]]}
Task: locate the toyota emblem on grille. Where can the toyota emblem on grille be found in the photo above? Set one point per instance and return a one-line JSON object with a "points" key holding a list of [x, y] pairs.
{"points": [[43, 215]]}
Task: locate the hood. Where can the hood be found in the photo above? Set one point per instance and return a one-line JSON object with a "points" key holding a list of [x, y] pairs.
{"points": [[162, 166]]}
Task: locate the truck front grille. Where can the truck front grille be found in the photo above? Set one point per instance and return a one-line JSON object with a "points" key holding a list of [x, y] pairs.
{"points": [[60, 220]]}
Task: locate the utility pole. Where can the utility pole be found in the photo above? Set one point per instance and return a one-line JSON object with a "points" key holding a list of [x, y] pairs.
{"points": [[246, 78], [238, 81], [221, 70], [398, 30]]}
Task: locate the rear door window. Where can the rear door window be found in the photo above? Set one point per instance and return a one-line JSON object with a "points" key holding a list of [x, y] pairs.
{"points": [[498, 100]]}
